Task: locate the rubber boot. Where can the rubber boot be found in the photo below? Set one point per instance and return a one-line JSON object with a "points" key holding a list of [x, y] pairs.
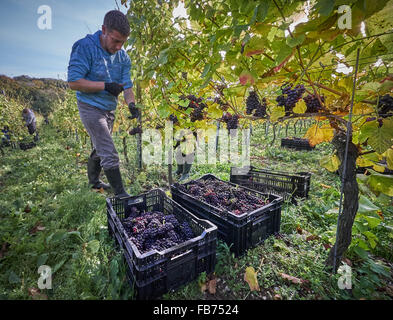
{"points": [[114, 178], [186, 172], [179, 170], [93, 173]]}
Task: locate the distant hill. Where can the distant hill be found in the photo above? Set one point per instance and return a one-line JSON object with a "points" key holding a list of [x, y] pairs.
{"points": [[39, 93]]}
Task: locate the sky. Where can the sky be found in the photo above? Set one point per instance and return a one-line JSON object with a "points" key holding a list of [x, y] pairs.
{"points": [[28, 50]]}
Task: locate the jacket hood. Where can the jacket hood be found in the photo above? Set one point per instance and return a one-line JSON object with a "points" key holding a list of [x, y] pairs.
{"points": [[95, 39]]}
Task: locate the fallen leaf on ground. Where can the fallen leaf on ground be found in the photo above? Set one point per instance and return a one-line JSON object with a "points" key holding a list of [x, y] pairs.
{"points": [[209, 284], [277, 297], [299, 230], [3, 249], [203, 287], [325, 186], [250, 276], [327, 246], [37, 227], [312, 237], [212, 284], [27, 209], [293, 279], [36, 294]]}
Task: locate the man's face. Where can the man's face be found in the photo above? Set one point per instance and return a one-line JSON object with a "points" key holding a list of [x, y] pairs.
{"points": [[112, 41]]}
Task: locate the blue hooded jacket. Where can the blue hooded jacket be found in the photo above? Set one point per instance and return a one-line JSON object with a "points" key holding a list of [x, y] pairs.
{"points": [[90, 61]]}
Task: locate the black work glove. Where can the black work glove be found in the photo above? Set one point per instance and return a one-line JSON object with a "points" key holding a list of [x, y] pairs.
{"points": [[135, 112], [113, 88]]}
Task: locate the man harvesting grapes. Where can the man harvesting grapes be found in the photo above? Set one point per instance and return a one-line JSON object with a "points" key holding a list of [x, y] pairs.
{"points": [[31, 123], [99, 70]]}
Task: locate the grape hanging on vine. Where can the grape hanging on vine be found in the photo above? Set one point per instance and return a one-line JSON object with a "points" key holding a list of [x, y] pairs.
{"points": [[385, 106], [232, 121], [135, 130], [253, 105], [290, 97], [197, 106], [312, 103], [173, 118], [223, 105]]}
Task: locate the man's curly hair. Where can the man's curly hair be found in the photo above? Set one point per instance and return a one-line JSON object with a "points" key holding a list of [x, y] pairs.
{"points": [[116, 20]]}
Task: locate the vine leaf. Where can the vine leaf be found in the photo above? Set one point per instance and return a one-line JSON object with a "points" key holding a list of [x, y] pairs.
{"points": [[324, 7], [331, 163], [277, 113], [317, 135], [379, 138], [389, 158], [246, 77], [381, 183], [363, 162], [293, 42], [300, 107], [366, 206], [361, 108], [255, 46]]}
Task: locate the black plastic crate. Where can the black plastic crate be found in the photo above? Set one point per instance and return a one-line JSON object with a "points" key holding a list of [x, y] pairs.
{"points": [[243, 231], [26, 146], [155, 272], [296, 143], [288, 185]]}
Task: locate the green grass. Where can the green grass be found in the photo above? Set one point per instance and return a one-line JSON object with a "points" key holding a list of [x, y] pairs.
{"points": [[47, 187]]}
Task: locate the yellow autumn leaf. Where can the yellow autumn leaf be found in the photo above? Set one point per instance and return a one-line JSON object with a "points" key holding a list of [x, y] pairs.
{"points": [[300, 107], [144, 83], [379, 168], [331, 101], [389, 158], [362, 162], [250, 276], [331, 163], [277, 113], [362, 108], [317, 135]]}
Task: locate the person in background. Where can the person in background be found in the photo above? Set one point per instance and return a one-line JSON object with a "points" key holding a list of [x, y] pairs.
{"points": [[31, 124], [46, 119], [99, 70], [184, 154]]}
